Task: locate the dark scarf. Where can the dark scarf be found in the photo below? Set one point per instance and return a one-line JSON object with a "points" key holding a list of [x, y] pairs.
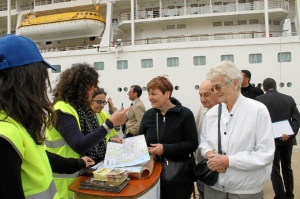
{"points": [[88, 123]]}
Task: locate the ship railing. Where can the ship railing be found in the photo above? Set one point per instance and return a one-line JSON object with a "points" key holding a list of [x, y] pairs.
{"points": [[41, 3], [220, 7], [26, 7], [67, 48], [206, 37], [4, 8], [180, 38]]}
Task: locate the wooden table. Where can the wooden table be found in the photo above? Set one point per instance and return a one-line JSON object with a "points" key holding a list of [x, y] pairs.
{"points": [[135, 188]]}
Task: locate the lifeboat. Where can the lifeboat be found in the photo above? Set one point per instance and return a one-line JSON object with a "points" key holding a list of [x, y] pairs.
{"points": [[61, 26]]}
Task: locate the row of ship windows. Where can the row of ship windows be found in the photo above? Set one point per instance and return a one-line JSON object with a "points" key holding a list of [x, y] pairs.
{"points": [[198, 61]]}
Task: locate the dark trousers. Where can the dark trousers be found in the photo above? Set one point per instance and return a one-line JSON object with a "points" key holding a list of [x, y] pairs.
{"points": [[212, 193], [200, 187], [283, 189], [182, 191]]}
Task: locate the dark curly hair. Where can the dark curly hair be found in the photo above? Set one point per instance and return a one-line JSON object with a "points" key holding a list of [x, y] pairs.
{"points": [[23, 97], [73, 85]]}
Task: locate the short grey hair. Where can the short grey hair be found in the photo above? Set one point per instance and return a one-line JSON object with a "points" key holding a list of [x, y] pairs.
{"points": [[228, 71]]}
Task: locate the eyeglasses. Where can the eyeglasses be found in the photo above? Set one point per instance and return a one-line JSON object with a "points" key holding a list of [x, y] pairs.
{"points": [[217, 87], [100, 102]]}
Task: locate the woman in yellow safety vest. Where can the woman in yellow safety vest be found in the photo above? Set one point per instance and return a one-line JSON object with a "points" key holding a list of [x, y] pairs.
{"points": [[98, 102], [76, 131], [25, 111]]}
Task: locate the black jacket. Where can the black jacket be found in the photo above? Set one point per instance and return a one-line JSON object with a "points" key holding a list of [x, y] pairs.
{"points": [[251, 91], [177, 130], [282, 107]]}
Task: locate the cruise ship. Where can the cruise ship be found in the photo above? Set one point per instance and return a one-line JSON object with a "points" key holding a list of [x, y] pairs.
{"points": [[131, 41]]}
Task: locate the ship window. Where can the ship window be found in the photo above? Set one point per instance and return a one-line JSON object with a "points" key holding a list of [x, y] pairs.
{"points": [[242, 22], [172, 61], [289, 84], [228, 23], [58, 69], [99, 65], [147, 63], [284, 57], [275, 22], [122, 64], [170, 27], [281, 84], [255, 58], [199, 60], [217, 23], [253, 21], [181, 26], [227, 57]]}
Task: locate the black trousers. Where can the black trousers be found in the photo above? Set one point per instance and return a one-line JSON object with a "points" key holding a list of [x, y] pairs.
{"points": [[283, 189], [181, 191]]}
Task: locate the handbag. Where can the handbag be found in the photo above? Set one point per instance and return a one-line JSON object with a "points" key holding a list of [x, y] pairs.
{"points": [[201, 170], [176, 171]]}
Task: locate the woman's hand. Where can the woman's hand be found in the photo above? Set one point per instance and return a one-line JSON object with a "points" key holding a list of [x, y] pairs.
{"points": [[217, 162], [117, 140], [119, 117], [156, 149], [88, 161], [111, 106]]}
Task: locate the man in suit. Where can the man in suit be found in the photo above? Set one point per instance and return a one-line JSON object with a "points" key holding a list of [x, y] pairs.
{"points": [[136, 111], [248, 90], [208, 99], [281, 107]]}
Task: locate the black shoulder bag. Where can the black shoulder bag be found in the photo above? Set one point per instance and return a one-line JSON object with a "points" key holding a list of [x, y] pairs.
{"points": [[203, 173], [176, 171]]}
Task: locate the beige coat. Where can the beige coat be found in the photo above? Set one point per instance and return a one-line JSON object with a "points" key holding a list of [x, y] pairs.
{"points": [[135, 115]]}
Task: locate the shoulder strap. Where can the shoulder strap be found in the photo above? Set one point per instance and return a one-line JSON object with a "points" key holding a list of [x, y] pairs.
{"points": [[219, 130], [157, 133]]}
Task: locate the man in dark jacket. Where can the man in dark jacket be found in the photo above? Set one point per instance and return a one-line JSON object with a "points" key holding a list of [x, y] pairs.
{"points": [[248, 90], [281, 107]]}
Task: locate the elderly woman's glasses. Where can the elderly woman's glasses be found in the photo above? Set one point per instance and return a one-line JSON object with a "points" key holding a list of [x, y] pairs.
{"points": [[100, 102], [217, 87]]}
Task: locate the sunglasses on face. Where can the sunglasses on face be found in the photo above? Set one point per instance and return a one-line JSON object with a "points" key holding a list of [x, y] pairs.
{"points": [[217, 87], [100, 102]]}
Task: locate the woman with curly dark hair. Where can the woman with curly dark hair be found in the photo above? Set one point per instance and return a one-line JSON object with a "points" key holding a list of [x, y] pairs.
{"points": [[25, 111], [77, 131]]}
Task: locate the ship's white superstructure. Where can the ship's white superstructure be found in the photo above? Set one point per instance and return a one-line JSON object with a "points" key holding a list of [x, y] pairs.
{"points": [[179, 38]]}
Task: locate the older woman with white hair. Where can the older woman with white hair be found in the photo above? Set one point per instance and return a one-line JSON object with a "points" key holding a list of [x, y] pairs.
{"points": [[247, 140]]}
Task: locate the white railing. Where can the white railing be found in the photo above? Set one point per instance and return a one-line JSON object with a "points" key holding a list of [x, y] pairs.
{"points": [[41, 3], [203, 9], [176, 39], [4, 8]]}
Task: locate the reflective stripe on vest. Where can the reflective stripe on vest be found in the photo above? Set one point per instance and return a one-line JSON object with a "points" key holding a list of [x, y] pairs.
{"points": [[55, 144], [47, 194], [59, 175]]}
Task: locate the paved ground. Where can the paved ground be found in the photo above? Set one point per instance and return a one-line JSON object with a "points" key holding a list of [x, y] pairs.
{"points": [[268, 189]]}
